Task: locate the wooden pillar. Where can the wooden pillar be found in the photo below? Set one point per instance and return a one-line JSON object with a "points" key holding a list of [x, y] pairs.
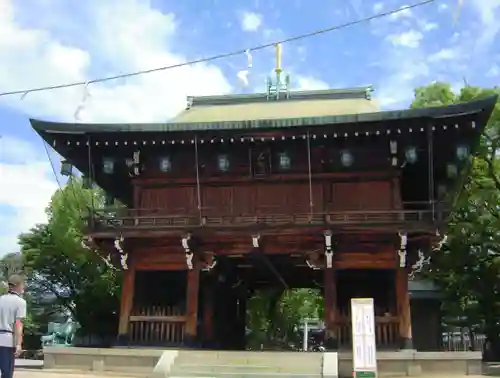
{"points": [[193, 287], [330, 301], [208, 313], [127, 301], [403, 305]]}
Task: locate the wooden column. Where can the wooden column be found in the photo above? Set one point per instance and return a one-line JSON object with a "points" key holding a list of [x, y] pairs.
{"points": [[193, 287], [403, 305], [127, 301], [330, 300], [208, 312]]}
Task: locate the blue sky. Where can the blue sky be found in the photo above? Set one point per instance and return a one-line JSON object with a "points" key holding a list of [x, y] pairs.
{"points": [[44, 42]]}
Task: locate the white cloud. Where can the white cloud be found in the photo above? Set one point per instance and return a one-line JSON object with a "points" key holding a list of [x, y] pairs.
{"points": [[442, 7], [251, 21], [410, 39], [138, 39], [489, 13], [428, 26], [27, 186], [307, 83], [404, 69], [493, 71], [122, 36], [443, 54], [403, 13], [377, 7]]}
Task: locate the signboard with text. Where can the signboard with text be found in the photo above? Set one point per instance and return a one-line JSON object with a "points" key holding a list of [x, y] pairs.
{"points": [[364, 349]]}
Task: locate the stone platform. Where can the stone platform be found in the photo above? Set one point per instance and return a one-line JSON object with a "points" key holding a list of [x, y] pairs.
{"points": [[413, 363], [204, 363]]}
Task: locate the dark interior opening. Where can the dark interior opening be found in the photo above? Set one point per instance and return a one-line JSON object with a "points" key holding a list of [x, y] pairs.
{"points": [[160, 288], [362, 283]]}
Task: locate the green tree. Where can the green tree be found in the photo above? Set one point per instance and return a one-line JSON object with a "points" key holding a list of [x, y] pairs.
{"points": [[11, 263], [68, 277], [467, 269], [273, 316]]}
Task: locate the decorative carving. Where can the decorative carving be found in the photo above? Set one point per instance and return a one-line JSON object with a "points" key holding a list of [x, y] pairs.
{"points": [[213, 262], [328, 249], [237, 284], [119, 244], [394, 147], [260, 161], [256, 241], [134, 164], [394, 150], [402, 258], [421, 262], [441, 242], [402, 249], [189, 102], [187, 249], [189, 260], [311, 265], [137, 161], [123, 261], [123, 255], [313, 259], [87, 241], [107, 261]]}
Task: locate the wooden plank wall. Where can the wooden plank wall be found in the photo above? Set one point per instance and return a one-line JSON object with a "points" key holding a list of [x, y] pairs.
{"points": [[273, 198], [160, 258]]}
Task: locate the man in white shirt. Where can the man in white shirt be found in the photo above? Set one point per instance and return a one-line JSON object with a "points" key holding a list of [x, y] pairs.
{"points": [[12, 314]]}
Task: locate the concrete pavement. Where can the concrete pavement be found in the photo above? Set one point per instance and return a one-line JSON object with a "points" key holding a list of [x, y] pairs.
{"points": [[64, 374], [67, 374]]}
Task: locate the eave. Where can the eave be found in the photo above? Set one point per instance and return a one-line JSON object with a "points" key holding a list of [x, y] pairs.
{"points": [[70, 139], [482, 106]]}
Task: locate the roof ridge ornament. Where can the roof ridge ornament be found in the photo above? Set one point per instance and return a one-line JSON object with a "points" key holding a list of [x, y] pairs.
{"points": [[278, 87]]}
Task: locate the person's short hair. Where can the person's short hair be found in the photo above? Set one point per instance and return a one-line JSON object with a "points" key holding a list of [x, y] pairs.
{"points": [[15, 281]]}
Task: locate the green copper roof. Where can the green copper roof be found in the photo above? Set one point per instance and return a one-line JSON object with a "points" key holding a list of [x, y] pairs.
{"points": [[306, 111], [299, 105]]}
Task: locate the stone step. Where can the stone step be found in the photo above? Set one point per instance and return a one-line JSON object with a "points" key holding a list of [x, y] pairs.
{"points": [[261, 358], [219, 368], [246, 364], [202, 374], [53, 373]]}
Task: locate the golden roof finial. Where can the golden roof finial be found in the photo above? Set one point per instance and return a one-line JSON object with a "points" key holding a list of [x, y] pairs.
{"points": [[278, 59]]}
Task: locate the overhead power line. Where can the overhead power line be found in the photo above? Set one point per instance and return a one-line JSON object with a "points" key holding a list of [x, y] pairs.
{"points": [[220, 56]]}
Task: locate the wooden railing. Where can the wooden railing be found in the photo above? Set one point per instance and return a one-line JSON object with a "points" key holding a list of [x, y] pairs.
{"points": [[386, 331], [101, 220], [157, 325]]}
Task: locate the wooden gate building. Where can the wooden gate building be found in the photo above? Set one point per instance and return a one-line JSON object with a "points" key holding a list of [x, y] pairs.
{"points": [[292, 189]]}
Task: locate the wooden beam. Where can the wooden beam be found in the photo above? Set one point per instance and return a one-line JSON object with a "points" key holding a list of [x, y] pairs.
{"points": [[152, 265], [166, 319], [146, 233], [274, 178]]}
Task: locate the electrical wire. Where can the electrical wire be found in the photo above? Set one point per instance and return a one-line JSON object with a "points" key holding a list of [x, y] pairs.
{"points": [[24, 92], [61, 189], [52, 165]]}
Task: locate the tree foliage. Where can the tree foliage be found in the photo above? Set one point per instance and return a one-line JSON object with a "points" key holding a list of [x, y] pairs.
{"points": [[68, 277], [273, 316], [467, 269]]}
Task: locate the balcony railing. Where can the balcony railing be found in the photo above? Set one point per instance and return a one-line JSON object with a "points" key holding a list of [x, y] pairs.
{"points": [[108, 219], [157, 326], [386, 332]]}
